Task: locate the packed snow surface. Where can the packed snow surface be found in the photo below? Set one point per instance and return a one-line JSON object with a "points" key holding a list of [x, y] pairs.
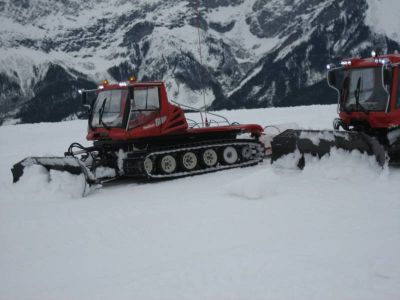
{"points": [[331, 231]]}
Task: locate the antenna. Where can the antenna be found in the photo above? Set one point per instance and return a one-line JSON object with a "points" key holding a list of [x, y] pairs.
{"points": [[201, 63]]}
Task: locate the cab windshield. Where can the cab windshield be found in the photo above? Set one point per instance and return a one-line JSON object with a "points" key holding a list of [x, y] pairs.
{"points": [[362, 90], [108, 110]]}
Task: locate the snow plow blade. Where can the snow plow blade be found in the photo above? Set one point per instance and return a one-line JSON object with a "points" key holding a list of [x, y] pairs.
{"points": [[67, 164], [320, 143]]}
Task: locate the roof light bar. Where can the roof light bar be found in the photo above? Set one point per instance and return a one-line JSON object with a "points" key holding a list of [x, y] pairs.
{"points": [[345, 62], [382, 61], [385, 61]]}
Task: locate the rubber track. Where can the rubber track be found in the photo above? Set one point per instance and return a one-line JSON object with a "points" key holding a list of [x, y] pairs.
{"points": [[255, 146]]}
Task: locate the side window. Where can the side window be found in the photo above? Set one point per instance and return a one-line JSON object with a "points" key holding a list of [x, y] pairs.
{"points": [[146, 99], [144, 107], [152, 98], [139, 97]]}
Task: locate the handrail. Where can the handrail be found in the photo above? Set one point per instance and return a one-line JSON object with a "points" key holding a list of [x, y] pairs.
{"points": [[220, 116], [186, 106], [200, 111], [195, 124], [189, 107]]}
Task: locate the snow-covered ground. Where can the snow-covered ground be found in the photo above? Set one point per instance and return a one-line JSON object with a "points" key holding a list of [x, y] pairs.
{"points": [[331, 231]]}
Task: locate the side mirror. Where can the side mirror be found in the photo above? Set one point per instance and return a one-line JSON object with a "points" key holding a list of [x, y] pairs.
{"points": [[332, 78], [84, 99]]}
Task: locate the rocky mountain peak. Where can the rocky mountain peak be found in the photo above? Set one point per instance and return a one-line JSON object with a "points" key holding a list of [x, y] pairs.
{"points": [[255, 52]]}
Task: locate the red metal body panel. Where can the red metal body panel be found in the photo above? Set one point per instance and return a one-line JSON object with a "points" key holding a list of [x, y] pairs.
{"points": [[170, 120], [377, 119]]}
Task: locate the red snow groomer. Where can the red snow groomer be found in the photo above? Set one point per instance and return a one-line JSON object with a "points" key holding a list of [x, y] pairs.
{"points": [[137, 132], [369, 112]]}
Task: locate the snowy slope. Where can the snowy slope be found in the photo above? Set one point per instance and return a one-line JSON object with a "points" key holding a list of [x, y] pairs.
{"points": [[383, 17], [331, 231]]}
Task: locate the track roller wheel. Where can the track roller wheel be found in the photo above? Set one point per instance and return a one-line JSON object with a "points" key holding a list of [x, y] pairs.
{"points": [[209, 158], [168, 164], [189, 161], [148, 165], [246, 152], [229, 155]]}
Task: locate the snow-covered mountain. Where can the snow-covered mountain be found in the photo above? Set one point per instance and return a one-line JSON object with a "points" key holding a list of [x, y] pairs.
{"points": [[255, 52]]}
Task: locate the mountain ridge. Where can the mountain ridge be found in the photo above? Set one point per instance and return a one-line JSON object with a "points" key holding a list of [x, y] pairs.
{"points": [[256, 53]]}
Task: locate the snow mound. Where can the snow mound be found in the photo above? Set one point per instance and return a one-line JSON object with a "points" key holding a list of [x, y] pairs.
{"points": [[340, 167], [289, 161], [341, 164], [37, 180], [258, 185], [316, 137]]}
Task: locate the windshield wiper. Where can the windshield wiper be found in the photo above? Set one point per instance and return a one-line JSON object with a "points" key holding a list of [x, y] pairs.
{"points": [[357, 96], [101, 112]]}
